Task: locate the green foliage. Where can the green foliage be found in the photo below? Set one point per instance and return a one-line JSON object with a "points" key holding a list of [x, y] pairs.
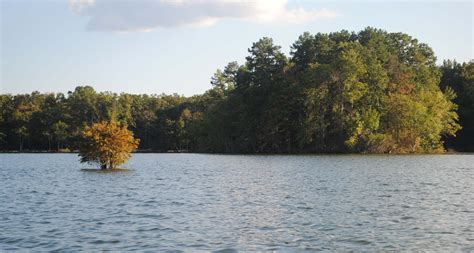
{"points": [[60, 133], [458, 82], [371, 91]]}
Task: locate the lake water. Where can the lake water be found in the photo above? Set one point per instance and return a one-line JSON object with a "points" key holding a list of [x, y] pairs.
{"points": [[194, 202]]}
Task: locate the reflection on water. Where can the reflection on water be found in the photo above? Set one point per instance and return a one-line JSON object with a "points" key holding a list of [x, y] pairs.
{"points": [[219, 202]]}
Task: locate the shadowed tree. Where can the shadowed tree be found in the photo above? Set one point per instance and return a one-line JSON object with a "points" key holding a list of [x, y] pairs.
{"points": [[60, 133], [460, 78]]}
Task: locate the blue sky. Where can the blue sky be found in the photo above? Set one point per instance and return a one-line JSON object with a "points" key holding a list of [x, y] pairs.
{"points": [[156, 46]]}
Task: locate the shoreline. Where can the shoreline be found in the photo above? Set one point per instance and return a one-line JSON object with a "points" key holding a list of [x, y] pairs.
{"points": [[450, 152]]}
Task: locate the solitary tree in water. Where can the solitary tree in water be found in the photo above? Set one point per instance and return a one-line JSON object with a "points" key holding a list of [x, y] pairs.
{"points": [[107, 143]]}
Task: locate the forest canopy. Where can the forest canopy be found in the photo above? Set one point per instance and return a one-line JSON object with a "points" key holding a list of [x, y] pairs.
{"points": [[370, 91]]}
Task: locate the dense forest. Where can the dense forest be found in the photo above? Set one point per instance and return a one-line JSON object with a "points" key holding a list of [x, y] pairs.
{"points": [[371, 91]]}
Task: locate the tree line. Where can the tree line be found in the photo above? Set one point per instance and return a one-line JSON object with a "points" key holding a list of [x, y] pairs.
{"points": [[370, 91]]}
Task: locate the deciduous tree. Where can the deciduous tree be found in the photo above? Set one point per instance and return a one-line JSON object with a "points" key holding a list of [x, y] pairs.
{"points": [[107, 143]]}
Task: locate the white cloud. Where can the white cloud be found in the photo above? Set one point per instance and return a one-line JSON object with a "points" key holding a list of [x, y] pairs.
{"points": [[147, 15]]}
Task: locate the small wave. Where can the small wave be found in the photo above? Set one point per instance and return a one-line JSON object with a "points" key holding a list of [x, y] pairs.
{"points": [[305, 207], [113, 241], [148, 229], [266, 228], [442, 232], [357, 241], [225, 251]]}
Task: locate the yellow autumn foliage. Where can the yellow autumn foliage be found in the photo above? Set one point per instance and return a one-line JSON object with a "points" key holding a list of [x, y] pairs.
{"points": [[107, 143]]}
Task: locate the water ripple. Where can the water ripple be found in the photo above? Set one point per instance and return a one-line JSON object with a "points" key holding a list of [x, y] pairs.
{"points": [[221, 203]]}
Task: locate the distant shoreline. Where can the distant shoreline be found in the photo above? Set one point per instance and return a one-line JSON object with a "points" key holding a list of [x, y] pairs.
{"points": [[75, 152], [449, 152]]}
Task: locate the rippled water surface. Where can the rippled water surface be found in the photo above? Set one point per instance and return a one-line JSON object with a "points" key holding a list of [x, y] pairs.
{"points": [[195, 202]]}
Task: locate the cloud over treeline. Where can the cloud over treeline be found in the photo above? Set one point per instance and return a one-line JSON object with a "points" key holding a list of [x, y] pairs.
{"points": [[147, 15]]}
